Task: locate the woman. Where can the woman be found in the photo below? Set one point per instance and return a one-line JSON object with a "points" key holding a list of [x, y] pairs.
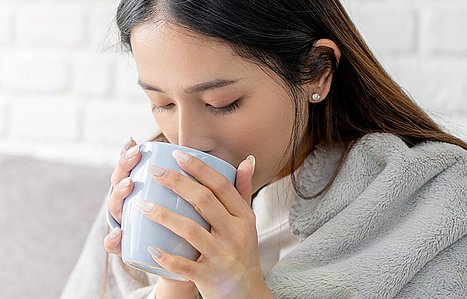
{"points": [[380, 191]]}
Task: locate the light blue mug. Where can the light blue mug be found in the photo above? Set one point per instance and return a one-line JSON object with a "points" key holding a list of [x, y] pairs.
{"points": [[139, 232]]}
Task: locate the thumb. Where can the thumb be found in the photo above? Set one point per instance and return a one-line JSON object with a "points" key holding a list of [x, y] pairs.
{"points": [[243, 179]]}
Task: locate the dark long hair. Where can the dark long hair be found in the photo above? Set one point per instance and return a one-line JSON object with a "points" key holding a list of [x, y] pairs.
{"points": [[279, 35]]}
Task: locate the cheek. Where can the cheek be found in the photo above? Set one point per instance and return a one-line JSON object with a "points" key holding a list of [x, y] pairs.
{"points": [[265, 135]]}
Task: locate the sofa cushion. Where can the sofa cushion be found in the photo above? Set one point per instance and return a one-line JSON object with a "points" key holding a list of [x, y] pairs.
{"points": [[46, 212]]}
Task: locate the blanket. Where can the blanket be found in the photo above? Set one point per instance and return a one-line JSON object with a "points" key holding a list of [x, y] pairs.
{"points": [[393, 224]]}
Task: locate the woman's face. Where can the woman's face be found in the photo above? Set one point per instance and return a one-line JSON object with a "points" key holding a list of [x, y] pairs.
{"points": [[206, 97]]}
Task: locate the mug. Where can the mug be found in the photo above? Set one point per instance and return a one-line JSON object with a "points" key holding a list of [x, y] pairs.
{"points": [[139, 232]]}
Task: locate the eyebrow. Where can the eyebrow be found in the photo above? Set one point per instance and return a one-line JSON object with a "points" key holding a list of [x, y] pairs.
{"points": [[200, 87]]}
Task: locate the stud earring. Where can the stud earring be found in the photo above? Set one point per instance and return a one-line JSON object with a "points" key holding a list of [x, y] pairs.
{"points": [[315, 97]]}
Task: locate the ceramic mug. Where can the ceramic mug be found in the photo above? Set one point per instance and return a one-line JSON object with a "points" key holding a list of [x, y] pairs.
{"points": [[138, 231]]}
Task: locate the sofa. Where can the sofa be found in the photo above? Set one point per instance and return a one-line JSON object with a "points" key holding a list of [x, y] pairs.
{"points": [[46, 212]]}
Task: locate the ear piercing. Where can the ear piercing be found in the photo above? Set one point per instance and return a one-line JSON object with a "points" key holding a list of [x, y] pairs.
{"points": [[315, 97]]}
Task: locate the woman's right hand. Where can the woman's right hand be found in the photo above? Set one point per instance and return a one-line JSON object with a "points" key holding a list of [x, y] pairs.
{"points": [[120, 179]]}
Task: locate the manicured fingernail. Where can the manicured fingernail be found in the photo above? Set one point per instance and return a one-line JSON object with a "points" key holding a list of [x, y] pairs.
{"points": [[114, 233], [252, 160], [155, 253], [124, 183], [156, 170], [128, 144], [181, 156], [132, 152], [146, 205]]}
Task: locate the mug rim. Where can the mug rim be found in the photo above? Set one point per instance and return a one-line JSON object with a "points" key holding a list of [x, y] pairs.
{"points": [[189, 149]]}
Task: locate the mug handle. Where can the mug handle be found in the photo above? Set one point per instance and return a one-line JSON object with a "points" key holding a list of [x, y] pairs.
{"points": [[111, 222]]}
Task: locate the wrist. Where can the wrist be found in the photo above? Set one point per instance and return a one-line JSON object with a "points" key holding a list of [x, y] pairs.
{"points": [[168, 289], [260, 291], [258, 287]]}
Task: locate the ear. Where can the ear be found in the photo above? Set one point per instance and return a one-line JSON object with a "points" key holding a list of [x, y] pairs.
{"points": [[322, 86]]}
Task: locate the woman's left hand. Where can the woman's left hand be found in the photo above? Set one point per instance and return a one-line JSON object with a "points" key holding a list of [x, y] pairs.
{"points": [[228, 266]]}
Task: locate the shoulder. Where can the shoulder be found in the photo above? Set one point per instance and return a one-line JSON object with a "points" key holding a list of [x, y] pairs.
{"points": [[386, 156], [429, 167], [387, 152], [388, 147]]}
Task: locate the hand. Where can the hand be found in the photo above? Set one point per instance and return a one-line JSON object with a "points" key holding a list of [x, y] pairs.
{"points": [[129, 157], [229, 263]]}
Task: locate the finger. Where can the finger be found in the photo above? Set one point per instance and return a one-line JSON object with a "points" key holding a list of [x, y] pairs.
{"points": [[243, 181], [199, 196], [213, 180], [175, 264], [112, 242], [129, 157], [118, 195], [183, 226]]}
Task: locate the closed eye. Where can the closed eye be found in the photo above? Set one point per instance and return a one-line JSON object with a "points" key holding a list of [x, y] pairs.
{"points": [[156, 108], [226, 109], [214, 110]]}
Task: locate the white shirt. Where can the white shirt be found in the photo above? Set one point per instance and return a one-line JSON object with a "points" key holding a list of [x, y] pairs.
{"points": [[271, 207]]}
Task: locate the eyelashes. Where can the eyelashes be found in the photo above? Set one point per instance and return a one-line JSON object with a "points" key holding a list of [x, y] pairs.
{"points": [[214, 110], [161, 109], [226, 109]]}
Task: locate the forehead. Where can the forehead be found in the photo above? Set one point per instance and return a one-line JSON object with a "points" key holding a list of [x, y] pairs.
{"points": [[171, 47]]}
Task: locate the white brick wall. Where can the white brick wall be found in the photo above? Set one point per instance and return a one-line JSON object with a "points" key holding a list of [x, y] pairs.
{"points": [[35, 72], [423, 45], [57, 25], [5, 27], [66, 94]]}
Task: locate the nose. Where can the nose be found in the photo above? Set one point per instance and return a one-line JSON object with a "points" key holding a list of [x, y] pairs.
{"points": [[193, 131]]}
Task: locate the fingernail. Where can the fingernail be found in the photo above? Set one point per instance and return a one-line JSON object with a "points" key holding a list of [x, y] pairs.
{"points": [[114, 233], [128, 144], [146, 205], [132, 152], [181, 156], [252, 160], [155, 253], [156, 170], [124, 183]]}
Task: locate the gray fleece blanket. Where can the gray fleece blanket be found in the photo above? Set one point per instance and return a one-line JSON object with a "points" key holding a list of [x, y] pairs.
{"points": [[392, 225]]}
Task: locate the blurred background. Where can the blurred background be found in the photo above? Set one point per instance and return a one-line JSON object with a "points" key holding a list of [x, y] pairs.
{"points": [[69, 101]]}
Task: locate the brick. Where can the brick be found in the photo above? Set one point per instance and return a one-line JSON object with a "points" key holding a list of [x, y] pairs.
{"points": [[51, 25], [126, 78], [35, 72], [6, 29], [436, 84], [386, 27], [93, 75], [3, 118], [46, 119], [444, 29], [2, 72], [103, 34], [113, 123]]}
